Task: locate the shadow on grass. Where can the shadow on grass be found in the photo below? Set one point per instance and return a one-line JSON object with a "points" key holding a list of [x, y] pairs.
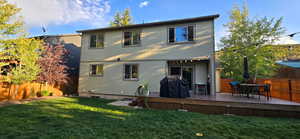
{"points": [[91, 118]]}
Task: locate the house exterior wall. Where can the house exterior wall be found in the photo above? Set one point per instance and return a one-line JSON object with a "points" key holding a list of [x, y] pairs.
{"points": [[201, 73], [112, 81], [152, 56], [218, 80], [154, 45]]}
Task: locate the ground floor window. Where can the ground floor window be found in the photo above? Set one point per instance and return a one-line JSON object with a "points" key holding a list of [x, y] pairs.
{"points": [[96, 70], [131, 72]]}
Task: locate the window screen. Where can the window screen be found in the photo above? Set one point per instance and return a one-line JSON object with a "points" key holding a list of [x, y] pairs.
{"points": [[96, 69], [131, 72]]}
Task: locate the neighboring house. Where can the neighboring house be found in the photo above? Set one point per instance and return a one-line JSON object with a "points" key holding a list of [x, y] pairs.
{"points": [[116, 60], [289, 69], [72, 43], [290, 64]]}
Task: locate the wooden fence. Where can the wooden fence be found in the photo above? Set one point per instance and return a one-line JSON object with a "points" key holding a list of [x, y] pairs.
{"points": [[23, 91], [287, 89]]}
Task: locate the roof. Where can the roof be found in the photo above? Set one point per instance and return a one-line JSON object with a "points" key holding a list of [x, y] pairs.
{"points": [[292, 64], [285, 40], [177, 21], [58, 35]]}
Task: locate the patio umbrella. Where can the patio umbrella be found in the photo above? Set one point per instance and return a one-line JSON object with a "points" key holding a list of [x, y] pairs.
{"points": [[246, 71]]}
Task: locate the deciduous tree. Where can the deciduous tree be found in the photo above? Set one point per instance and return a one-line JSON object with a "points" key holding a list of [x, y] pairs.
{"points": [[122, 19], [54, 70], [249, 37], [16, 48]]}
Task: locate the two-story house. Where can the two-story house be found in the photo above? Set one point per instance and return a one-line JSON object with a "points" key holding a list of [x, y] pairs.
{"points": [[116, 60]]}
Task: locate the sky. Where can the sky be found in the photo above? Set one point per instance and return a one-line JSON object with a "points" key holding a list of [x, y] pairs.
{"points": [[68, 16]]}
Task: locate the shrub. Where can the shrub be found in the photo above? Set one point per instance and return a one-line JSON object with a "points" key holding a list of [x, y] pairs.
{"points": [[32, 92], [44, 93]]}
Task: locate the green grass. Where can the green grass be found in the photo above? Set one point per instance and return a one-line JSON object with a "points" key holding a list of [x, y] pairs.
{"points": [[93, 118]]}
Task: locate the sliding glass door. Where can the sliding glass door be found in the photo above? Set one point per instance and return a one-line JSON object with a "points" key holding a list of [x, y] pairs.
{"points": [[186, 72]]}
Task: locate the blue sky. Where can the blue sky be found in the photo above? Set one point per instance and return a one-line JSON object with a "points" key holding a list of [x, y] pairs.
{"points": [[60, 17]]}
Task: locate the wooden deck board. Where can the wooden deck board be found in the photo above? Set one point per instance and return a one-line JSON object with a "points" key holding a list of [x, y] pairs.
{"points": [[225, 107]]}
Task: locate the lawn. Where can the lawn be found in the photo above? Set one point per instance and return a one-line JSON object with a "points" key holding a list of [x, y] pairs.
{"points": [[93, 118]]}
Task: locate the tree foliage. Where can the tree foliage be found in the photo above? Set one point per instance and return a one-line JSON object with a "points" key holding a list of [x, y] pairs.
{"points": [[248, 37], [25, 52], [122, 19], [7, 25], [7, 28], [54, 70], [16, 48]]}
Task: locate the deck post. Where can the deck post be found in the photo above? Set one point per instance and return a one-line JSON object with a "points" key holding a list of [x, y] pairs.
{"points": [[212, 75], [212, 63], [290, 90]]}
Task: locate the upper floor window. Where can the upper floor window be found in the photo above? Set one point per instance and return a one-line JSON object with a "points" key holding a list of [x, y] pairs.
{"points": [[131, 72], [181, 34], [97, 41], [96, 70], [132, 38]]}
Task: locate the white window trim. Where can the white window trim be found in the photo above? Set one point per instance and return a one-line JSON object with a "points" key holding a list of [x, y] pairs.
{"points": [[96, 75], [97, 40], [186, 26], [124, 72], [132, 45]]}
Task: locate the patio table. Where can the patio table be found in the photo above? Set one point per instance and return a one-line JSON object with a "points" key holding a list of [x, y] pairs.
{"points": [[250, 88]]}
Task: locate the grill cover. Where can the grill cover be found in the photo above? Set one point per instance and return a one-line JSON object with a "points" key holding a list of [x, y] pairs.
{"points": [[173, 87]]}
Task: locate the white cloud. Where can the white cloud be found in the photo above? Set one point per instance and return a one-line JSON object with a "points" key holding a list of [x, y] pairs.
{"points": [[285, 40], [144, 4], [45, 12]]}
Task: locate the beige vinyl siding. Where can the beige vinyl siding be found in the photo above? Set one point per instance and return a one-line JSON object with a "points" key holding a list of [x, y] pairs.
{"points": [[154, 45], [112, 82], [151, 56]]}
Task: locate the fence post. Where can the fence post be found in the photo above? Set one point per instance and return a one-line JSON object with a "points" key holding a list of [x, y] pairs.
{"points": [[290, 90]]}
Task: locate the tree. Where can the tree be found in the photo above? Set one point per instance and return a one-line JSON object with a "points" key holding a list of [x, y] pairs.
{"points": [[249, 38], [7, 29], [16, 48], [54, 70], [121, 20], [25, 52]]}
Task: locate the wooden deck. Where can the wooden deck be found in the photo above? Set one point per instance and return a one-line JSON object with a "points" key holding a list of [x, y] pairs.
{"points": [[227, 97], [224, 103]]}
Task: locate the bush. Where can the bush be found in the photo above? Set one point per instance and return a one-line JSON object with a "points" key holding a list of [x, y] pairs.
{"points": [[44, 93], [32, 92]]}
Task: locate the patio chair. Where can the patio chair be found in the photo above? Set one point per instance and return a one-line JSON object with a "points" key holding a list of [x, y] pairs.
{"points": [[263, 91], [235, 88], [256, 91], [201, 89], [267, 90]]}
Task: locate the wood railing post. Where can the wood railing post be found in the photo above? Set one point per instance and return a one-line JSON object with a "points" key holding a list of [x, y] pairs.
{"points": [[290, 90]]}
